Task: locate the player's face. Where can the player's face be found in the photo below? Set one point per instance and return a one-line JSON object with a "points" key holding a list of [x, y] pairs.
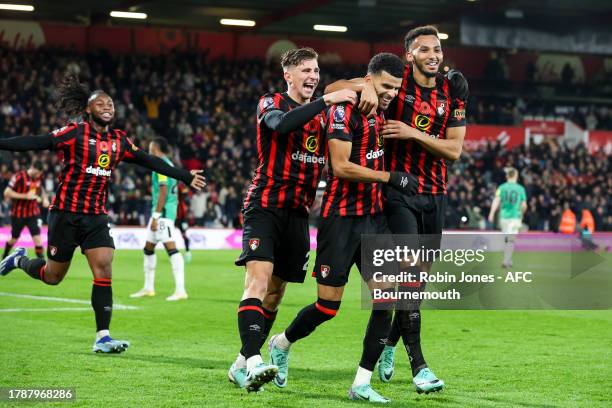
{"points": [[426, 53], [102, 109], [152, 148], [304, 78], [387, 86], [35, 173]]}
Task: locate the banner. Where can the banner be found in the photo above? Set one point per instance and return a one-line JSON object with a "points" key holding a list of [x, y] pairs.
{"points": [[545, 127], [477, 136], [600, 141]]}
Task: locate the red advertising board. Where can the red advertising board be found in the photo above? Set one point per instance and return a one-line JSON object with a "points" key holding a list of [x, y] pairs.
{"points": [[478, 136], [600, 141], [545, 127]]}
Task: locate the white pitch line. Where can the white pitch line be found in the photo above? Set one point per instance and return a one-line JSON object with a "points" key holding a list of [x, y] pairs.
{"points": [[116, 306], [50, 309]]}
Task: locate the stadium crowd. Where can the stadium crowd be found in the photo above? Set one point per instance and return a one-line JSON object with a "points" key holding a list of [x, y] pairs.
{"points": [[206, 111]]}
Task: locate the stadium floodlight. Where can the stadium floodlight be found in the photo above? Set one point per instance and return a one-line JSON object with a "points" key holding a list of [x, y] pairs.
{"points": [[16, 7], [335, 28], [443, 36], [235, 22], [128, 14]]}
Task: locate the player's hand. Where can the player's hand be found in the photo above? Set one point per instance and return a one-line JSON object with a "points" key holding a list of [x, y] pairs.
{"points": [[368, 100], [458, 85], [154, 224], [396, 129], [405, 183], [199, 181], [492, 219], [341, 96], [45, 202], [31, 195]]}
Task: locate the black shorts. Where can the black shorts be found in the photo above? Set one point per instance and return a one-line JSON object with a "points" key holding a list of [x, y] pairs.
{"points": [[339, 246], [70, 230], [421, 214], [278, 235], [18, 223]]}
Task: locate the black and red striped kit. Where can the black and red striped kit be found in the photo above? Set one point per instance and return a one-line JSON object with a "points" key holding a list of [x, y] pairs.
{"points": [[433, 111], [22, 183], [283, 188], [350, 209]]}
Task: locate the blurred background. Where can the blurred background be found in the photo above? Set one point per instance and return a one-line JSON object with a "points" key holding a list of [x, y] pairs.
{"points": [[540, 75]]}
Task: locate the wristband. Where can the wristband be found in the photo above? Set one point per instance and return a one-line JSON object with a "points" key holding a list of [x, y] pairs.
{"points": [[156, 215]]}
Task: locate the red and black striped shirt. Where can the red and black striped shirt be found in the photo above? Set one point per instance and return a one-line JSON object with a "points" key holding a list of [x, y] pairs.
{"points": [[89, 159], [433, 111], [290, 165], [22, 183], [347, 198]]}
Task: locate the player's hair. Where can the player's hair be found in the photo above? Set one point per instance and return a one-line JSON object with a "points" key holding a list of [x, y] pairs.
{"points": [[73, 96], [511, 172], [37, 165], [415, 32], [162, 143], [296, 56], [385, 61]]}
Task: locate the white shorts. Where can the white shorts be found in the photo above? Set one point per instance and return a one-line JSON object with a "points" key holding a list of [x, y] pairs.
{"points": [[165, 231], [510, 225]]}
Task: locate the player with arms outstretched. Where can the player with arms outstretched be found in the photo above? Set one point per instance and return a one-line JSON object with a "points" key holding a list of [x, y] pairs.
{"points": [[511, 201], [426, 128], [275, 240], [26, 194], [92, 150], [161, 228]]}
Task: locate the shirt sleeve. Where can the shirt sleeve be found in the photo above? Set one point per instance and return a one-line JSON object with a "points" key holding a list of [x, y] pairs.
{"points": [[161, 179], [498, 192], [268, 103], [523, 195], [14, 181], [339, 124], [63, 136], [457, 115]]}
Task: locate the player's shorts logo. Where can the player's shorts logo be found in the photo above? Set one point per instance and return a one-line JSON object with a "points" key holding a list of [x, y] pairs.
{"points": [[254, 244], [311, 144], [325, 269], [52, 250], [104, 160], [422, 122]]}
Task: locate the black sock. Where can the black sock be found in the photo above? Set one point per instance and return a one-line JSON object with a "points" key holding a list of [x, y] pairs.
{"points": [[186, 242], [102, 302], [394, 333], [269, 318], [39, 252], [250, 325], [310, 317], [7, 249], [375, 338], [33, 267], [410, 327]]}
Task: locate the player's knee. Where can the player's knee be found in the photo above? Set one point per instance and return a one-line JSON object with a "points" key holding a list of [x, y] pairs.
{"points": [[327, 308], [53, 279], [148, 251], [172, 251]]}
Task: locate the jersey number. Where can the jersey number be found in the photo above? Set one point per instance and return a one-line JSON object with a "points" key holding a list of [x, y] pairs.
{"points": [[511, 197]]}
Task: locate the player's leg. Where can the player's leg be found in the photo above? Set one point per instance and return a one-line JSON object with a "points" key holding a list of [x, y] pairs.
{"points": [[178, 271], [149, 264], [270, 304], [510, 227], [17, 225], [183, 226], [33, 225], [100, 262]]}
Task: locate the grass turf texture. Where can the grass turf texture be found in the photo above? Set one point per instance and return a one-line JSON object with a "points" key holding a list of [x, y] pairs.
{"points": [[181, 351]]}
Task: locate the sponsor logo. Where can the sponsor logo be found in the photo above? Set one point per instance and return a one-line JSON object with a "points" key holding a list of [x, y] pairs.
{"points": [[92, 141], [459, 114], [372, 121], [404, 182], [58, 131], [254, 244], [307, 158], [325, 269], [104, 160], [255, 327], [380, 140], [422, 122], [97, 171], [311, 144], [374, 154], [104, 146], [338, 126], [268, 101], [424, 108], [441, 107], [339, 113], [52, 250], [409, 99]]}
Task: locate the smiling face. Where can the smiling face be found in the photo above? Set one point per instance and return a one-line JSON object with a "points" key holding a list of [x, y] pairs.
{"points": [[101, 109], [425, 53], [302, 79], [387, 86]]}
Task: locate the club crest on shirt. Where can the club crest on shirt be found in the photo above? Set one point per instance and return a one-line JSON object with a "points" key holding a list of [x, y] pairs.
{"points": [[254, 244], [325, 269], [441, 107]]}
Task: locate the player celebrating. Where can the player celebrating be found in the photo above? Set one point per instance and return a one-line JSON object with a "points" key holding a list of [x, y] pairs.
{"points": [[511, 200], [91, 149], [275, 239], [352, 206], [23, 190], [427, 128], [161, 228]]}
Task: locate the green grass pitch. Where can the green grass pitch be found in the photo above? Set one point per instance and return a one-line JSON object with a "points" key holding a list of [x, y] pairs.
{"points": [[181, 351]]}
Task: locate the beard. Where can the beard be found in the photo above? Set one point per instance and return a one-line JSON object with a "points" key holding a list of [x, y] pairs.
{"points": [[421, 68], [99, 121]]}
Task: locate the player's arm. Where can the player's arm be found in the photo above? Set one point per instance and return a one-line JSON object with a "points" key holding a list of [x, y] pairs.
{"points": [[494, 207], [286, 122], [11, 194], [161, 200], [44, 197], [192, 178], [449, 148], [340, 153], [27, 143], [368, 98]]}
